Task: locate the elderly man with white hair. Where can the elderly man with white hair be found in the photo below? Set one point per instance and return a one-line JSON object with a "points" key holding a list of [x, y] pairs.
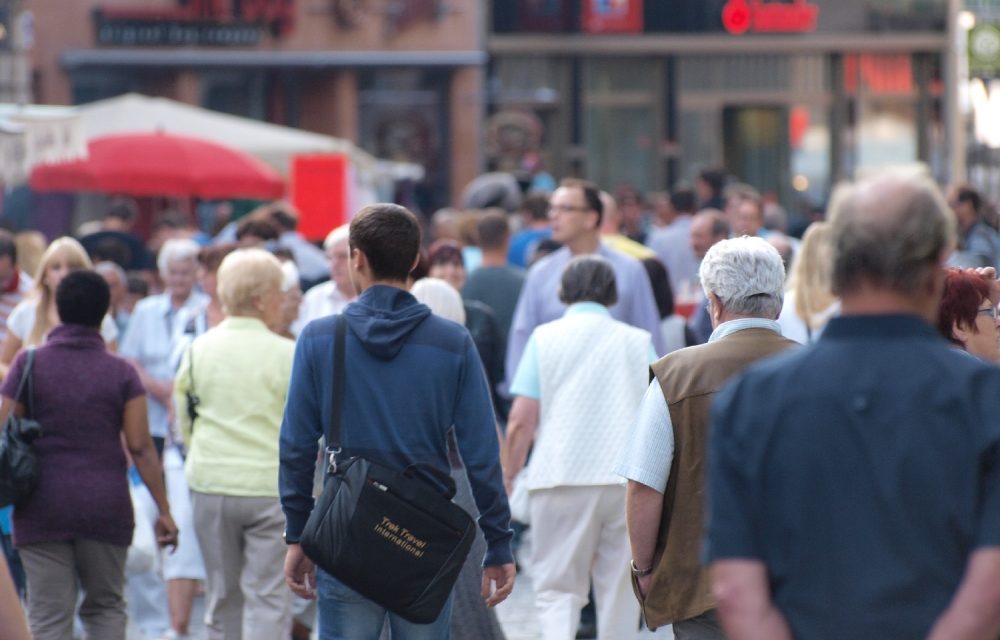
{"points": [[665, 456], [329, 297]]}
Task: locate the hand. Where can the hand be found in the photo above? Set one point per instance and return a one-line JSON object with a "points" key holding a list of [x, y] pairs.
{"points": [[643, 584], [300, 573], [166, 531], [500, 581]]}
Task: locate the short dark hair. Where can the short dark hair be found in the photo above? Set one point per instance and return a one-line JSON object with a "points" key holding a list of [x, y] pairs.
{"points": [[714, 177], [389, 236], [493, 229], [120, 211], [8, 246], [588, 278], [445, 252], [258, 228], [82, 298], [591, 195], [284, 219], [210, 257], [536, 206], [683, 200], [967, 193]]}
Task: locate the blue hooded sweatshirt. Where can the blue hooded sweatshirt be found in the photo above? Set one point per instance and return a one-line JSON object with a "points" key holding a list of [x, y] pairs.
{"points": [[411, 376]]}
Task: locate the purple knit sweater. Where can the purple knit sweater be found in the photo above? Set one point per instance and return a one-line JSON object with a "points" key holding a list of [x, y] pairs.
{"points": [[80, 391]]}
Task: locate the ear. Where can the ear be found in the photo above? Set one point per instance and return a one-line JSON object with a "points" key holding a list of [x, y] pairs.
{"points": [[962, 334], [597, 220], [714, 308], [358, 259]]}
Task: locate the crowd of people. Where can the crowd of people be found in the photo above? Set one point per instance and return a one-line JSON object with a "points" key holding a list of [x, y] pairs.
{"points": [[594, 363]]}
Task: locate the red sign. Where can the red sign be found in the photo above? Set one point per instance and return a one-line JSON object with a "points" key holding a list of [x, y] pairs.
{"points": [[319, 191], [742, 16], [612, 16]]}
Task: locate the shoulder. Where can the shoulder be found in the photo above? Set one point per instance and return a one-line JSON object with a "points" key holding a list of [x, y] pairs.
{"points": [[149, 306], [318, 291], [442, 333], [623, 264], [552, 263]]}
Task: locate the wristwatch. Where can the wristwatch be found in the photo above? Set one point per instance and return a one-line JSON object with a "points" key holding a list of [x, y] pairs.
{"points": [[639, 573]]}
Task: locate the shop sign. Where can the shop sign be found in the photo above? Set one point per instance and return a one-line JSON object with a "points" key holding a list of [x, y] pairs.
{"points": [[612, 16], [984, 48], [194, 23], [757, 16]]}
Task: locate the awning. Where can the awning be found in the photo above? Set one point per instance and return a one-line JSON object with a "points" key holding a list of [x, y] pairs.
{"points": [[72, 59]]}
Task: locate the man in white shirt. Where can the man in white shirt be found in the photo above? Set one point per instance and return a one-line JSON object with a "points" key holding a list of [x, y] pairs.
{"points": [[333, 295]]}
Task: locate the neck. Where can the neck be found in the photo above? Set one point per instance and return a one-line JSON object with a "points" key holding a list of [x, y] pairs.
{"points": [[346, 291], [177, 300], [398, 284], [877, 301], [494, 257], [584, 245]]}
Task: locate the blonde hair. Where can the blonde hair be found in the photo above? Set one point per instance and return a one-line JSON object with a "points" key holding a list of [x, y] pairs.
{"points": [[246, 274], [76, 256], [812, 276]]}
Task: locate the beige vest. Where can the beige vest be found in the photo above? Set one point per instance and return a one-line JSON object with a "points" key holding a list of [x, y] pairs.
{"points": [[690, 378]]}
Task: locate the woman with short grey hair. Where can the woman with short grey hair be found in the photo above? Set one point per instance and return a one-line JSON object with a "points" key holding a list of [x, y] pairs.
{"points": [[589, 279], [576, 391]]}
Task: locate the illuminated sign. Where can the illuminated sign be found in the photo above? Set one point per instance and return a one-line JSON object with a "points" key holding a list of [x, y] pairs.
{"points": [[757, 16], [195, 22]]}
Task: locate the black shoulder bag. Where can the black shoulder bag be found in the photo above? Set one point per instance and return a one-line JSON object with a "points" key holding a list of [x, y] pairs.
{"points": [[19, 468], [390, 535]]}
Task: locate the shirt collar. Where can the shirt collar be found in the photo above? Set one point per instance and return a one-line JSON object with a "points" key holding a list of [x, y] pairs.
{"points": [[243, 323], [580, 308], [732, 326]]}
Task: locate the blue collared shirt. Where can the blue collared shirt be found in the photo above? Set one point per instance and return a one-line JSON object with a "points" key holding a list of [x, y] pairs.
{"points": [[861, 470]]}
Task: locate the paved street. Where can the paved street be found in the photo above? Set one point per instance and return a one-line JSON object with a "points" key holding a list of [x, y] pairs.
{"points": [[518, 615]]}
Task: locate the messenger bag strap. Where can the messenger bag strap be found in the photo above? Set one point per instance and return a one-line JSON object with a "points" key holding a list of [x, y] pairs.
{"points": [[26, 380], [333, 437]]}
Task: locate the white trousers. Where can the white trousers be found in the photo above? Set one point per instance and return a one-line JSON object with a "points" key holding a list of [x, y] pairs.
{"points": [[578, 535]]}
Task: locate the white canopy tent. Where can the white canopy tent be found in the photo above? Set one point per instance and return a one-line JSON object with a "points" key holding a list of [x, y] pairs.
{"points": [[66, 130]]}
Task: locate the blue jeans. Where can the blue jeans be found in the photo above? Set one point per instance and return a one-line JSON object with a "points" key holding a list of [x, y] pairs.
{"points": [[344, 614]]}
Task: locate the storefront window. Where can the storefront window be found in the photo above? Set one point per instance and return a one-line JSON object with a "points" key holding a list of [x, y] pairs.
{"points": [[404, 118], [621, 131]]}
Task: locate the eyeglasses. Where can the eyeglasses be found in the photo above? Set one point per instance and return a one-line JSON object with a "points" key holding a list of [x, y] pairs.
{"points": [[991, 312], [567, 208]]}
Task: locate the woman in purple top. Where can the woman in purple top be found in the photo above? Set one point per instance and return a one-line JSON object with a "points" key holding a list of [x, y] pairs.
{"points": [[75, 528]]}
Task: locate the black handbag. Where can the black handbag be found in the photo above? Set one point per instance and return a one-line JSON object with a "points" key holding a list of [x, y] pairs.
{"points": [[19, 468], [392, 536]]}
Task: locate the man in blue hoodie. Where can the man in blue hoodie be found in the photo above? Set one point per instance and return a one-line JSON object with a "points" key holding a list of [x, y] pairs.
{"points": [[411, 377]]}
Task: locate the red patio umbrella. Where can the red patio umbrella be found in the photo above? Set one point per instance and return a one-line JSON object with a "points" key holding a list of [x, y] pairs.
{"points": [[161, 164]]}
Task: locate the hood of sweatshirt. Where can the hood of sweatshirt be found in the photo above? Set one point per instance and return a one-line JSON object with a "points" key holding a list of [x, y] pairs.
{"points": [[383, 317]]}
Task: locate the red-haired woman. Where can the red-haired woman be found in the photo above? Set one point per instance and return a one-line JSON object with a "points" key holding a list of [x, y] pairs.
{"points": [[968, 316]]}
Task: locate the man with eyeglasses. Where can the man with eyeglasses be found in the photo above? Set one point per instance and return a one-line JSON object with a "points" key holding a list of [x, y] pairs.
{"points": [[575, 211]]}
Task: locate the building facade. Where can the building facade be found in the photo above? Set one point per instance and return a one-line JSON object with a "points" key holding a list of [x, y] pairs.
{"points": [[401, 78], [789, 95]]}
